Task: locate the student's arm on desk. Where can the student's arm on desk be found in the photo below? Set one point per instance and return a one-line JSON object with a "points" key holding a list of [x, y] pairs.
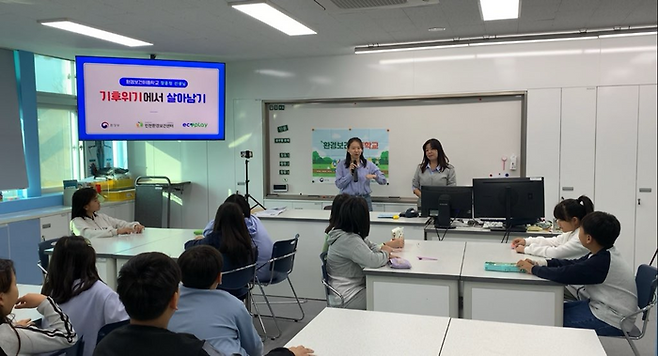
{"points": [[569, 247], [198, 241], [592, 270]]}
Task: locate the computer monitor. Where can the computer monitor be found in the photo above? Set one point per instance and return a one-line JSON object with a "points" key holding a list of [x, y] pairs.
{"points": [[445, 202], [517, 200]]}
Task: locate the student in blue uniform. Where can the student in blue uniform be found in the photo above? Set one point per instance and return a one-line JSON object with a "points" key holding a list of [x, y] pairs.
{"points": [[608, 281], [354, 173]]}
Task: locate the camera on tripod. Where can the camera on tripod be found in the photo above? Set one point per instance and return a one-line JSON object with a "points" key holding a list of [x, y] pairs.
{"points": [[246, 154]]}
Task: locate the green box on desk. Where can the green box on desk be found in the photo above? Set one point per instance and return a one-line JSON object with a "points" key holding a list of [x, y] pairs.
{"points": [[501, 267]]}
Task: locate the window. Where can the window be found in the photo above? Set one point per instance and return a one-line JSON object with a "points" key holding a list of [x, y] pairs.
{"points": [[59, 152], [54, 75]]}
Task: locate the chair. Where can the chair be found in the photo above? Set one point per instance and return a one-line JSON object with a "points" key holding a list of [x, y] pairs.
{"points": [[328, 207], [108, 328], [239, 278], [75, 350], [43, 257], [646, 281], [281, 265], [328, 289]]}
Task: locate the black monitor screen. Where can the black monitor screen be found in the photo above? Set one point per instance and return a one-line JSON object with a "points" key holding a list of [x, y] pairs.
{"points": [[524, 196], [461, 200]]}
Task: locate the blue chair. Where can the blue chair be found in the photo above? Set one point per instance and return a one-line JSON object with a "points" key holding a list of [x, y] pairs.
{"points": [[75, 350], [328, 289], [237, 279], [43, 257], [645, 280], [280, 266], [108, 328]]}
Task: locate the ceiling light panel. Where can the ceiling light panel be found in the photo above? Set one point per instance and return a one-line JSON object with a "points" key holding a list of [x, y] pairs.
{"points": [[268, 14], [500, 9], [74, 27]]}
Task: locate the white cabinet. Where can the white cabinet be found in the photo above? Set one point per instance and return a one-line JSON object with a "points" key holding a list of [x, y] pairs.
{"points": [[307, 205], [398, 208], [124, 210], [616, 161], [55, 226], [577, 142], [645, 208]]}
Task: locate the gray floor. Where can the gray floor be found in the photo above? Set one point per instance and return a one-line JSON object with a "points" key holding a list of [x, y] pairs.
{"points": [[612, 346]]}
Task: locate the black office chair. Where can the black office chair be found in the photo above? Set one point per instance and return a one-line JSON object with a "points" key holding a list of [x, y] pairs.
{"points": [[281, 265], [75, 350], [328, 289], [108, 328], [645, 280], [43, 257]]}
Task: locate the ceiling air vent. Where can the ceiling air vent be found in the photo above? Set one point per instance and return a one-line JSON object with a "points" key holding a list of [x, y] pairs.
{"points": [[347, 5]]}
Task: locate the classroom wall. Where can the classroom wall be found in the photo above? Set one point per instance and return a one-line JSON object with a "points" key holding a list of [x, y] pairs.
{"points": [[216, 169]]}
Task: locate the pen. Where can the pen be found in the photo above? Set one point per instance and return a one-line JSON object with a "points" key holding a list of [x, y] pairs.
{"points": [[427, 258]]}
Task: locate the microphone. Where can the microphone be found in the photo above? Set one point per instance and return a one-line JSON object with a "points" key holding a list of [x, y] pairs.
{"points": [[355, 175]]}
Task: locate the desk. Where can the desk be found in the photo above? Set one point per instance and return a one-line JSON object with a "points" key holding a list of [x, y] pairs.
{"points": [[473, 337], [172, 247], [356, 332], [496, 296], [108, 248], [428, 288], [478, 234], [30, 313], [310, 225]]}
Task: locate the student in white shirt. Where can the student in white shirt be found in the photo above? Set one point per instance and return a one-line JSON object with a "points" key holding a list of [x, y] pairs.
{"points": [[73, 283], [569, 214], [86, 221], [21, 338]]}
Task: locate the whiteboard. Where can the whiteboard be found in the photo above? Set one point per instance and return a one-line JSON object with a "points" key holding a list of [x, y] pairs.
{"points": [[475, 131]]}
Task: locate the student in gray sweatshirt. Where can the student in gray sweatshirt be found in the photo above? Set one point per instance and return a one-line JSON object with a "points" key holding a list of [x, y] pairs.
{"points": [[350, 252]]}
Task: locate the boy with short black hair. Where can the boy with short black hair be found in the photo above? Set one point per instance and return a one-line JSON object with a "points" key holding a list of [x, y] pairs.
{"points": [[148, 288], [608, 280], [213, 314]]}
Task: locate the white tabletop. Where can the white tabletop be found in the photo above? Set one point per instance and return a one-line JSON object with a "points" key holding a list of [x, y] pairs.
{"points": [[323, 215], [108, 247], [482, 338], [356, 332], [172, 247], [448, 263], [30, 313], [477, 253]]}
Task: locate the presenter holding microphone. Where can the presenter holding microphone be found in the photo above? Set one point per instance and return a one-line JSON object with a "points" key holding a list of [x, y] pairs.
{"points": [[353, 174], [434, 170]]}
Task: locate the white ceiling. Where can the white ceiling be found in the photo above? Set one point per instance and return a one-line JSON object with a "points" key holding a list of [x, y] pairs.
{"points": [[211, 29]]}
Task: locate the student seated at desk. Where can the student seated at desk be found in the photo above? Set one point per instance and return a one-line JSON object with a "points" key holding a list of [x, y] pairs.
{"points": [[20, 337], [215, 315], [608, 280], [73, 283], [258, 234], [333, 218], [148, 287], [569, 213], [230, 236], [350, 252], [87, 222]]}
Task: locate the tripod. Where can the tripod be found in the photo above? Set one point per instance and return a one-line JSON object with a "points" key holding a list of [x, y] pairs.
{"points": [[247, 196]]}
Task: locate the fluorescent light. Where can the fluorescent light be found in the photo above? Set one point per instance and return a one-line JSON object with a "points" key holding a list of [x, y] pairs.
{"points": [[94, 32], [275, 18], [499, 9], [499, 42], [426, 59], [628, 34], [382, 49]]}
